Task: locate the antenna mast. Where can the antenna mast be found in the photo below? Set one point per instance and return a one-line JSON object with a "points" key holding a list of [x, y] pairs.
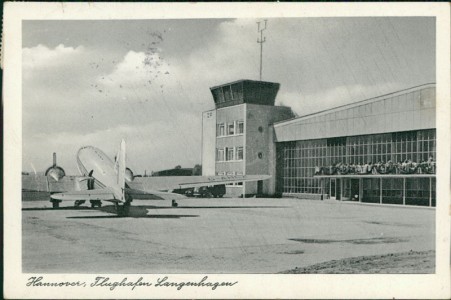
{"points": [[261, 40]]}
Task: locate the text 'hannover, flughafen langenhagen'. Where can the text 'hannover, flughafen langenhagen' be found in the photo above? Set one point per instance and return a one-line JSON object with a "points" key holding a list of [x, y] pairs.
{"points": [[106, 282]]}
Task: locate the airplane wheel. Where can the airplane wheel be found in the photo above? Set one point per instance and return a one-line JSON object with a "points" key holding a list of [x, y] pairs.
{"points": [[123, 210], [55, 204], [174, 203], [79, 202], [95, 203]]}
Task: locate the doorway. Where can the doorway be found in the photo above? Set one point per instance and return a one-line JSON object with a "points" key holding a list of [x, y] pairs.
{"points": [[338, 189], [355, 193], [333, 187]]}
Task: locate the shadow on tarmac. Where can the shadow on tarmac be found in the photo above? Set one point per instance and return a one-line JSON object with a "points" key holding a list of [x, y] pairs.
{"points": [[59, 208], [134, 216], [141, 211], [209, 207]]}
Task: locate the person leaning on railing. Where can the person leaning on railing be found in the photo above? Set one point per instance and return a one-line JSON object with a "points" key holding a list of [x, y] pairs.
{"points": [[318, 170]]}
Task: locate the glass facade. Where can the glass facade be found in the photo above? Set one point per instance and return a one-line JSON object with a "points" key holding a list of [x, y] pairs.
{"points": [[392, 192], [301, 157]]}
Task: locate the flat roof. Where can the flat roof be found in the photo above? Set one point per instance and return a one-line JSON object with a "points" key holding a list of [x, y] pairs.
{"points": [[243, 80], [355, 104]]}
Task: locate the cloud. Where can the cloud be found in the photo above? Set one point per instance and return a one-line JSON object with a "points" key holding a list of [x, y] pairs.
{"points": [[137, 69], [50, 75], [41, 57], [138, 77]]}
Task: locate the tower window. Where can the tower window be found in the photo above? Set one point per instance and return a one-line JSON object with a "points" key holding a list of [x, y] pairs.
{"points": [[239, 153], [240, 127], [220, 156], [227, 93], [221, 130], [230, 153], [231, 129]]}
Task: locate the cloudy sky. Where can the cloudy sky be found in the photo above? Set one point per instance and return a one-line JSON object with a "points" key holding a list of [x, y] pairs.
{"points": [[95, 82]]}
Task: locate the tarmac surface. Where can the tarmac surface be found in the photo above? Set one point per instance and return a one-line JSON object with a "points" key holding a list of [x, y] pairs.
{"points": [[251, 235]]}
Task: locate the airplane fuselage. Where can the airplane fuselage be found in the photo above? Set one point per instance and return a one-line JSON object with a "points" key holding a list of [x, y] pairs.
{"points": [[93, 159]]}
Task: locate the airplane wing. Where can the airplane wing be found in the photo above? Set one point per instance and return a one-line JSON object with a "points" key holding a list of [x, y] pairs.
{"points": [[152, 195], [68, 189], [166, 183], [40, 183], [106, 194]]}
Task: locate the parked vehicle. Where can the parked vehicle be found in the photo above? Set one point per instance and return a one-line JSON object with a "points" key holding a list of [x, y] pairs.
{"points": [[215, 191]]}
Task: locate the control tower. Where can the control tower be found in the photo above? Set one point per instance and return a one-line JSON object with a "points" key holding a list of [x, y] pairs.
{"points": [[238, 137]]}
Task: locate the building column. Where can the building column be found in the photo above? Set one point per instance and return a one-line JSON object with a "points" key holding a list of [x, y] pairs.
{"points": [[341, 189], [380, 191], [404, 191], [330, 189], [360, 189], [430, 191]]}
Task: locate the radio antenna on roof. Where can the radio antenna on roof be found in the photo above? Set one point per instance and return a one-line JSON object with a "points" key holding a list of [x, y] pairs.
{"points": [[261, 40]]}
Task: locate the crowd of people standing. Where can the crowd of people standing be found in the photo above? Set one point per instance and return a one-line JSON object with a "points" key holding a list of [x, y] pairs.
{"points": [[406, 167]]}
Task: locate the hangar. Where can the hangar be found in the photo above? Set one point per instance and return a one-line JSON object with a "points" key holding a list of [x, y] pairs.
{"points": [[379, 150]]}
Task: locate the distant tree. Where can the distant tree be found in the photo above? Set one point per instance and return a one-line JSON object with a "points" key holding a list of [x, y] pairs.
{"points": [[178, 167], [197, 170]]}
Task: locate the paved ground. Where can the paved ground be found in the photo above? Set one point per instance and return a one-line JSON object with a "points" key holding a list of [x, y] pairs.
{"points": [[404, 262], [219, 236]]}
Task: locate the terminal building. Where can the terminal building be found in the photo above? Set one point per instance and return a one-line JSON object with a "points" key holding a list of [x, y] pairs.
{"points": [[247, 134]]}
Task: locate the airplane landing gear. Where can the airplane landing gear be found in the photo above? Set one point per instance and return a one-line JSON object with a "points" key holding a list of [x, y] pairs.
{"points": [[123, 210], [55, 203], [95, 203], [174, 203]]}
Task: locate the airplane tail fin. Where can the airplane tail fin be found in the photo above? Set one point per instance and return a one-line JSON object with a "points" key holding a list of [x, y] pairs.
{"points": [[120, 168]]}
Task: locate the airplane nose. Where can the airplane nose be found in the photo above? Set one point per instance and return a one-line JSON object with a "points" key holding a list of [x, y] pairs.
{"points": [[83, 156], [85, 153]]}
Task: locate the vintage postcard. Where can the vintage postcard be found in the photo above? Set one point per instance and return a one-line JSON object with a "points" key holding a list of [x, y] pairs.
{"points": [[233, 150]]}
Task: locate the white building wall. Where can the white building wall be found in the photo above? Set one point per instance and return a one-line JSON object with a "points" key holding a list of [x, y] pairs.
{"points": [[208, 143]]}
